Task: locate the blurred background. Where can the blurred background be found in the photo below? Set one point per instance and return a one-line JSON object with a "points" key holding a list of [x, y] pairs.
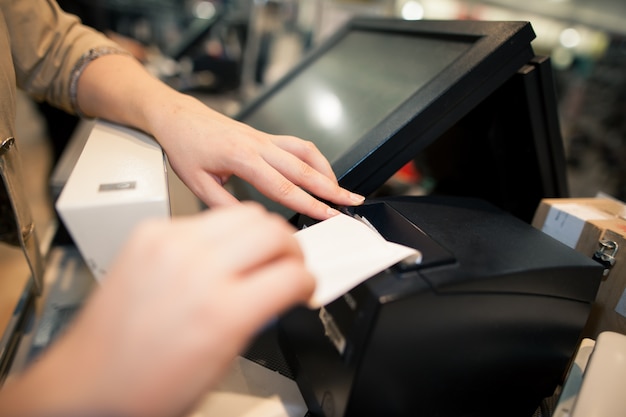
{"points": [[226, 51]]}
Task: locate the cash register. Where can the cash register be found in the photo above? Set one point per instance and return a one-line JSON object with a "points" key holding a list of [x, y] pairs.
{"points": [[485, 325]]}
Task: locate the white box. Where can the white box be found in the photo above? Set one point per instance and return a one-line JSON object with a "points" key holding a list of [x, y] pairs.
{"points": [[119, 180]]}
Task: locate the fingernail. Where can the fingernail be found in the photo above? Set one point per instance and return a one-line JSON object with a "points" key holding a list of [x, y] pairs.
{"points": [[357, 198], [332, 212]]}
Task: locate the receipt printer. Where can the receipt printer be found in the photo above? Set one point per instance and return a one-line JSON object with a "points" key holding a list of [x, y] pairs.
{"points": [[485, 325]]}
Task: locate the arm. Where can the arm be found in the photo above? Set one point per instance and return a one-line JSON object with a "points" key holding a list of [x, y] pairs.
{"points": [[204, 147], [179, 304], [46, 44]]}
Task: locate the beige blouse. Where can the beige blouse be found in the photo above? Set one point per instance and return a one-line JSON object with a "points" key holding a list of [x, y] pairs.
{"points": [[43, 51]]}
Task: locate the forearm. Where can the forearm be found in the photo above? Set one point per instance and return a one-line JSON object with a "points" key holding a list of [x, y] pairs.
{"points": [[64, 381], [91, 372], [118, 88]]}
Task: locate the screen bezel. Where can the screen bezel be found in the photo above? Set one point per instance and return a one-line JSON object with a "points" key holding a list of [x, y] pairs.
{"points": [[497, 51]]}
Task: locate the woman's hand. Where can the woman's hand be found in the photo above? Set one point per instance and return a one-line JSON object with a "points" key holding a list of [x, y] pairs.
{"points": [[205, 147]]}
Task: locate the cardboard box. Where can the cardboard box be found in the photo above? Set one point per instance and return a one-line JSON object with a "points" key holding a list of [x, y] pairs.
{"points": [[595, 227]]}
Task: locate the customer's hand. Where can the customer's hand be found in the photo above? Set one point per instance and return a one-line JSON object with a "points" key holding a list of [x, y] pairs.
{"points": [[181, 301]]}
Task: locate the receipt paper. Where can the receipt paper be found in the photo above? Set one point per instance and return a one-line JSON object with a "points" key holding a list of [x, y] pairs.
{"points": [[341, 252]]}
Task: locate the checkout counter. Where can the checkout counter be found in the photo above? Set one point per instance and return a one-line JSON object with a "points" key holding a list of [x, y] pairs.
{"points": [[487, 322]]}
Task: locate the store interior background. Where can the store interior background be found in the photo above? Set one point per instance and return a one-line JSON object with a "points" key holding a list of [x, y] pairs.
{"points": [[246, 45], [249, 44]]}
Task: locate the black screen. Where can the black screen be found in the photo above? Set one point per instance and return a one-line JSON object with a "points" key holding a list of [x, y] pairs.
{"points": [[382, 90], [352, 87]]}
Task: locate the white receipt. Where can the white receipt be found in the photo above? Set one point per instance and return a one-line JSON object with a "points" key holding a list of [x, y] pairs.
{"points": [[342, 252]]}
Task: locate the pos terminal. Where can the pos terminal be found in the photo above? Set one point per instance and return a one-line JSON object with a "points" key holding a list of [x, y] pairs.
{"points": [[485, 325]]}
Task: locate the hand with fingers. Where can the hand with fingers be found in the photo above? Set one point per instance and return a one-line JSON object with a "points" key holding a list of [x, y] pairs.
{"points": [[288, 170], [181, 301]]}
